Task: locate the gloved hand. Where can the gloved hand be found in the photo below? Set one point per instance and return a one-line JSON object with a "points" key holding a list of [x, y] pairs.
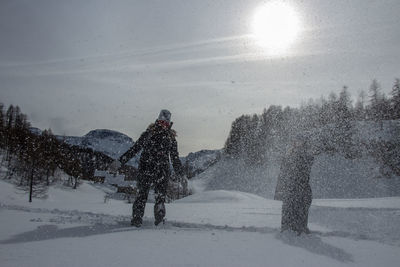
{"points": [[115, 166]]}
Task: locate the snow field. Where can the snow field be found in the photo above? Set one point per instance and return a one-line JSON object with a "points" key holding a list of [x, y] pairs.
{"points": [[213, 228]]}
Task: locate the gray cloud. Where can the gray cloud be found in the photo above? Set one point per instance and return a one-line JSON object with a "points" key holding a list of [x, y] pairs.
{"points": [[79, 65]]}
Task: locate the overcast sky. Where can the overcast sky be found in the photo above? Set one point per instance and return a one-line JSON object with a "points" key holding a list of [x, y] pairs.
{"points": [[74, 66]]}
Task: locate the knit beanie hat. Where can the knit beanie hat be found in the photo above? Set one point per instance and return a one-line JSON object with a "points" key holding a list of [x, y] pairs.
{"points": [[165, 115]]}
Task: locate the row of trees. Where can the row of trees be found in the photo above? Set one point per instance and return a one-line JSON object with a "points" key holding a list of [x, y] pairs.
{"points": [[35, 157], [32, 158], [376, 105], [330, 122]]}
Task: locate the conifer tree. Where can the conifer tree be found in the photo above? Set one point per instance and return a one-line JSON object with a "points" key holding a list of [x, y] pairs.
{"points": [[2, 126], [395, 100], [359, 109], [377, 103]]}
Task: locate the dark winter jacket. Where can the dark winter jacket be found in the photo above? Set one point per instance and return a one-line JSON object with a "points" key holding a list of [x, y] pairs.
{"points": [[158, 146], [294, 177]]}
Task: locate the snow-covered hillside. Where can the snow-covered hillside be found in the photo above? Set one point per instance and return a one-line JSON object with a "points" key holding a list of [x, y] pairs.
{"points": [[368, 130], [215, 228], [111, 143], [114, 144], [198, 162], [332, 175]]}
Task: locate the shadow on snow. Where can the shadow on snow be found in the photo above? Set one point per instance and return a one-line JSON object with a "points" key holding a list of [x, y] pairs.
{"points": [[311, 243], [314, 244]]}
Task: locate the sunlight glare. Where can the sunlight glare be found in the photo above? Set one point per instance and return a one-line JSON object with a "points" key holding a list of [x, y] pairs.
{"points": [[275, 26]]}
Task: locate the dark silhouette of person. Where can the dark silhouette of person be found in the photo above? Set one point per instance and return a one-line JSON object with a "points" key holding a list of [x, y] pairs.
{"points": [[296, 193], [158, 147]]}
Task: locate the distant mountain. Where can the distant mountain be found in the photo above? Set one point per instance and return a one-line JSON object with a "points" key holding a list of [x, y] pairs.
{"points": [[111, 143], [35, 130], [114, 144], [198, 162]]}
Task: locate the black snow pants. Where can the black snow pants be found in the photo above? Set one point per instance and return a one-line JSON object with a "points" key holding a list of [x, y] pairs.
{"points": [[295, 209], [159, 179]]}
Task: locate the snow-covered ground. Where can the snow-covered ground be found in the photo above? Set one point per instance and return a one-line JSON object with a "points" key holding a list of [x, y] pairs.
{"points": [[213, 228]]}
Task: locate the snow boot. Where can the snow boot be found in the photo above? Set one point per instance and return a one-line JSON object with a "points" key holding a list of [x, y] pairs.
{"points": [[136, 222], [159, 213]]}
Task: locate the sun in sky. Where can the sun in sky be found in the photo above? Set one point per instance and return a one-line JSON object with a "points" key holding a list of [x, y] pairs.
{"points": [[275, 26]]}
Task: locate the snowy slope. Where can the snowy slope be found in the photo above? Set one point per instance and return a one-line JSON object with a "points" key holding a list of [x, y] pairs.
{"points": [[114, 144], [217, 228], [332, 176], [368, 130], [198, 162], [111, 143], [228, 174]]}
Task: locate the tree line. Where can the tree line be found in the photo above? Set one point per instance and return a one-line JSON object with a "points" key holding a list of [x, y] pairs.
{"points": [[329, 121], [34, 157]]}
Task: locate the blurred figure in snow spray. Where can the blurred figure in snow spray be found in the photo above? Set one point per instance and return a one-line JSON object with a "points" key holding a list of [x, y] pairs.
{"points": [[295, 189]]}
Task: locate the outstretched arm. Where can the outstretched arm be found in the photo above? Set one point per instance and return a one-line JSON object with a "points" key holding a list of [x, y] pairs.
{"points": [[176, 162], [139, 144]]}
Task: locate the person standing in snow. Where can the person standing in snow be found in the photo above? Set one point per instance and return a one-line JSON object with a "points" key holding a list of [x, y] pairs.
{"points": [[295, 185], [158, 145]]}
